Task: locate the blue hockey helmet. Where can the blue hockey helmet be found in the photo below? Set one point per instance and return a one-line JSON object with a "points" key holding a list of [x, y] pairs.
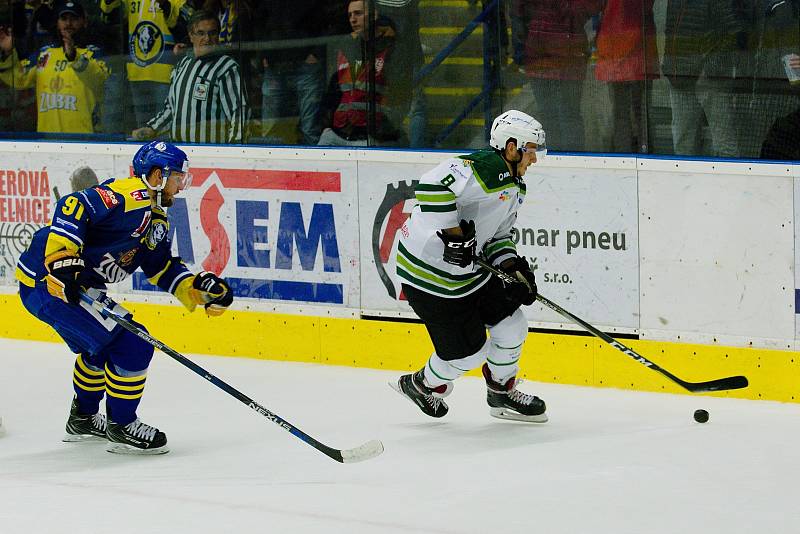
{"points": [[164, 156]]}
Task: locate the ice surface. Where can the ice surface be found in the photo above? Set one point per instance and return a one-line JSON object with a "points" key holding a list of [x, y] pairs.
{"points": [[608, 461]]}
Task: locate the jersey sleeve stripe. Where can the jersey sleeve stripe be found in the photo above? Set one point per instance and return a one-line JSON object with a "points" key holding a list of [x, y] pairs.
{"points": [[177, 280], [444, 196], [432, 187], [72, 237], [25, 269], [495, 246]]}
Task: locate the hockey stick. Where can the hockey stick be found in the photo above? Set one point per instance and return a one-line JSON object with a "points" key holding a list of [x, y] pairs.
{"points": [[366, 451], [720, 384]]}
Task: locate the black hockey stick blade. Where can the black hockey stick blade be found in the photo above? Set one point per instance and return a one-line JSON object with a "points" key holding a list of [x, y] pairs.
{"points": [[720, 384], [363, 452]]}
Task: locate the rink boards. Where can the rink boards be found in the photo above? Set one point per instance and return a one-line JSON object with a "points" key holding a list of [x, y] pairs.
{"points": [[697, 258]]}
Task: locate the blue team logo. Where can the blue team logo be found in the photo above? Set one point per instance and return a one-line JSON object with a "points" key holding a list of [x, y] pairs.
{"points": [[158, 231], [146, 44]]}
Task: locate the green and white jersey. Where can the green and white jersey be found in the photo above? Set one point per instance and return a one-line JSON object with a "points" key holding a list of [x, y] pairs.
{"points": [[476, 187]]}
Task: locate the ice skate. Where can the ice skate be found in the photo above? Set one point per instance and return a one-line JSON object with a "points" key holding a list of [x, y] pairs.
{"points": [[82, 427], [135, 438], [507, 402], [428, 399]]}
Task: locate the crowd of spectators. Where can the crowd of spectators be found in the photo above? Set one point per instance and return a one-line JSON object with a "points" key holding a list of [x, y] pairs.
{"points": [[345, 72]]}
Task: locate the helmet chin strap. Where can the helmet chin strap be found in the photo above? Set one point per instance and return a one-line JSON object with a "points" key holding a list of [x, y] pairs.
{"points": [[159, 192]]}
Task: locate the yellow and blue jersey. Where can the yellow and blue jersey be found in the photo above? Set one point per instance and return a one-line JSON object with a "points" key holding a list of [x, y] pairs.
{"points": [[116, 230], [150, 39], [68, 93]]}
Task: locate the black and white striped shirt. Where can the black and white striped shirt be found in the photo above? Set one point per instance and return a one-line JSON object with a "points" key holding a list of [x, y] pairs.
{"points": [[206, 102]]}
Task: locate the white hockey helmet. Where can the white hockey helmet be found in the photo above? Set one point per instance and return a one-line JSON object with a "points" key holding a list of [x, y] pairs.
{"points": [[519, 126]]}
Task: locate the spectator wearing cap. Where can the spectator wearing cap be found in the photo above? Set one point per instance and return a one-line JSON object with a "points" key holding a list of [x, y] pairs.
{"points": [[68, 75], [206, 101]]}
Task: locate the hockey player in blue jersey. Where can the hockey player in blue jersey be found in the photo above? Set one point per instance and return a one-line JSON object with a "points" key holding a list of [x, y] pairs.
{"points": [[98, 236]]}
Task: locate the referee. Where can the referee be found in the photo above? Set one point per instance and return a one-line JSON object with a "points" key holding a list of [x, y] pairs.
{"points": [[206, 102]]}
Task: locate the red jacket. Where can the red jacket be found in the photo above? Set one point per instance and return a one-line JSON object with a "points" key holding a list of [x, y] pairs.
{"points": [[626, 52], [556, 46]]}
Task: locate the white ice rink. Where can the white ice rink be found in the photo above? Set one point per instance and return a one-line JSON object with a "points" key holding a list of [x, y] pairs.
{"points": [[608, 461]]}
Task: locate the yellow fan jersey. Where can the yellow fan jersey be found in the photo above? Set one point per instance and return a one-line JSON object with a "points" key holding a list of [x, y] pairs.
{"points": [[150, 40], [67, 92]]}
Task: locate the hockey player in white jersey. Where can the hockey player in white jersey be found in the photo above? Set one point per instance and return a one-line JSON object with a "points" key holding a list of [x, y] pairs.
{"points": [[466, 206]]}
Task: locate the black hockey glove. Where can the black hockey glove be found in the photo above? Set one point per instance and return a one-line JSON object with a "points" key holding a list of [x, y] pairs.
{"points": [[525, 290], [459, 249], [63, 268], [213, 292]]}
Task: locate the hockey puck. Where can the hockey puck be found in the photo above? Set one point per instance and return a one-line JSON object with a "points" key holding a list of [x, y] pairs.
{"points": [[701, 416]]}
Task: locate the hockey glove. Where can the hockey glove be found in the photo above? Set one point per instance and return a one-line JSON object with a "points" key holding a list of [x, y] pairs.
{"points": [[212, 291], [63, 268], [459, 249], [525, 290]]}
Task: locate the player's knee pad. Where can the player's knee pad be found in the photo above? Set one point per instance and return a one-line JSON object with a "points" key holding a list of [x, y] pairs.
{"points": [[129, 352], [439, 371], [506, 339]]}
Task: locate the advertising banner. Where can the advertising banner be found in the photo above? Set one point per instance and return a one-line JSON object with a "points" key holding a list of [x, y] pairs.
{"points": [[280, 231], [29, 189], [283, 231]]}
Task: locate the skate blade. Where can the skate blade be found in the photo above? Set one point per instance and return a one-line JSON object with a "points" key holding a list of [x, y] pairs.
{"points": [[80, 438], [122, 448], [395, 385], [510, 415]]}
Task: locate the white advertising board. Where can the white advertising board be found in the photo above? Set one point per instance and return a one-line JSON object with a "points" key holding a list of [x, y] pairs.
{"points": [[717, 253]]}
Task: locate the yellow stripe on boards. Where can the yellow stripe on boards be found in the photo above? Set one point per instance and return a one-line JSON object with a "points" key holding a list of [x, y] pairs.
{"points": [[556, 358]]}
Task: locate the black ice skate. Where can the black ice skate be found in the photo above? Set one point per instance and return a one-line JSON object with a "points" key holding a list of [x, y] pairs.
{"points": [[135, 438], [82, 427], [507, 402], [428, 399]]}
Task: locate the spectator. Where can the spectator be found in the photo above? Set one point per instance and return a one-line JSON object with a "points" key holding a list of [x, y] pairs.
{"points": [[152, 29], [18, 108], [294, 77], [231, 13], [68, 77], [39, 26], [346, 104], [627, 60], [773, 100], [241, 27], [205, 103], [556, 56], [700, 64], [408, 48]]}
